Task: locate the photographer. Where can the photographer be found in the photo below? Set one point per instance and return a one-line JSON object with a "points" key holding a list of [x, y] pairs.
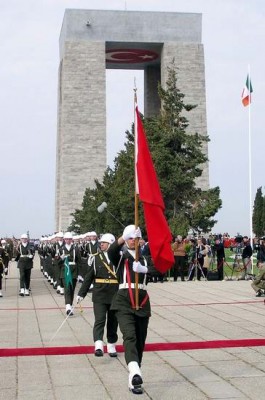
{"points": [[239, 243], [246, 257], [261, 251], [220, 256], [198, 262]]}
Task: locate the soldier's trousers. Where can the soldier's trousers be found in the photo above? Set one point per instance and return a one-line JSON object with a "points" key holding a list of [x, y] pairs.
{"points": [[134, 331], [69, 292], [24, 277], [103, 312]]}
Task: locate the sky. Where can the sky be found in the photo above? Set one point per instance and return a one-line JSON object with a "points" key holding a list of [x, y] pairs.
{"points": [[233, 35]]}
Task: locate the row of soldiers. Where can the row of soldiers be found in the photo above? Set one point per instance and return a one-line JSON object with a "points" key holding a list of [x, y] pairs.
{"points": [[53, 251], [111, 266]]}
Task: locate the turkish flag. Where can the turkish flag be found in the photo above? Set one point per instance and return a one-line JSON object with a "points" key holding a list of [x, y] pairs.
{"points": [[147, 186]]}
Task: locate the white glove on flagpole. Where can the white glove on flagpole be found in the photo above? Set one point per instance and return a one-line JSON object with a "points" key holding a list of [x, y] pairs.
{"points": [[138, 267]]}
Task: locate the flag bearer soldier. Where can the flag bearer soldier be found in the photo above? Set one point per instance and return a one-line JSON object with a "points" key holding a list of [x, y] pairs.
{"points": [[7, 255], [72, 253], [133, 322], [57, 261], [24, 257], [105, 285]]}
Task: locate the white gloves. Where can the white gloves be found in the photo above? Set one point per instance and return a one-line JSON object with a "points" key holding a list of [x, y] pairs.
{"points": [[79, 299], [62, 257], [30, 256], [138, 267], [6, 269]]}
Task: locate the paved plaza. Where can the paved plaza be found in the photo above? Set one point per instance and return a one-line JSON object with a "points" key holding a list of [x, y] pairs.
{"points": [[205, 341]]}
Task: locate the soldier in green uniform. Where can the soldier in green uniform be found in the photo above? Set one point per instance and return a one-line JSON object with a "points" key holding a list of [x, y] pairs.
{"points": [[72, 253], [105, 285], [259, 282], [133, 322], [3, 255], [24, 257], [7, 255], [57, 262]]}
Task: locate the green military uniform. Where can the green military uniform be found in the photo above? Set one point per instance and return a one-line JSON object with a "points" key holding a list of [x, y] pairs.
{"points": [[3, 255], [57, 263], [25, 264], [73, 254], [105, 285], [259, 282], [133, 323]]}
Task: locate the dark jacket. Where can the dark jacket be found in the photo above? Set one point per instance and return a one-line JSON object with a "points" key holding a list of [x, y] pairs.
{"points": [[101, 270], [25, 256], [74, 259], [247, 250], [124, 298]]}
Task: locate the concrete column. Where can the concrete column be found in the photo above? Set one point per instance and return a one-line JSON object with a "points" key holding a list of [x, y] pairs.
{"points": [[152, 76], [189, 61], [81, 138]]}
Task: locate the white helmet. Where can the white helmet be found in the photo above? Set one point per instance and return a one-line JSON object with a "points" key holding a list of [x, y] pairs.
{"points": [[24, 236], [107, 238], [68, 235], [130, 232], [59, 234]]}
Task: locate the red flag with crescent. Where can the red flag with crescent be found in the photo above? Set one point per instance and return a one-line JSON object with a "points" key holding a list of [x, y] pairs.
{"points": [[147, 186]]}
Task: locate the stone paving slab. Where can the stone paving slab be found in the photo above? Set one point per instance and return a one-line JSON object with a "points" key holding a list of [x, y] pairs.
{"points": [[181, 312]]}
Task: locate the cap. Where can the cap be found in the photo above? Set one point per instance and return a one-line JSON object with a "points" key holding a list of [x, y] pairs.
{"points": [[68, 235], [129, 231], [59, 234], [107, 238], [24, 236], [93, 233]]}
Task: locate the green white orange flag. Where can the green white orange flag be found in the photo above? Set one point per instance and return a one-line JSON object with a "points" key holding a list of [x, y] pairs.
{"points": [[246, 94]]}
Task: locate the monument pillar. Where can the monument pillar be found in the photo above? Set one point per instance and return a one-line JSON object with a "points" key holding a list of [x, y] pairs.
{"points": [[90, 42]]}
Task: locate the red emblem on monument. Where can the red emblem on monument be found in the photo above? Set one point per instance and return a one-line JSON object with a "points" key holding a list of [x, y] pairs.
{"points": [[130, 56]]}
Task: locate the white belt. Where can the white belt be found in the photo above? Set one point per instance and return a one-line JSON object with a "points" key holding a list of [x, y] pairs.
{"points": [[133, 285], [71, 263]]}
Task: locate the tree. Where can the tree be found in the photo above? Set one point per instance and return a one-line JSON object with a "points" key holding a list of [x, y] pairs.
{"points": [[258, 213], [178, 158]]}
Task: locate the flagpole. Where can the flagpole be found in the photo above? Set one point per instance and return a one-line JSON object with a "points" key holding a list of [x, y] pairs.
{"points": [[250, 166], [136, 205]]}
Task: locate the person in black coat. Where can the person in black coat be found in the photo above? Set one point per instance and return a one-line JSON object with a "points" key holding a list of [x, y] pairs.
{"points": [[105, 284], [246, 257], [220, 257]]}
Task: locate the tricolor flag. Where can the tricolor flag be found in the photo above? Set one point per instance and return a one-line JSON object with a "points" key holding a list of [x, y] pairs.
{"points": [[246, 94], [147, 186]]}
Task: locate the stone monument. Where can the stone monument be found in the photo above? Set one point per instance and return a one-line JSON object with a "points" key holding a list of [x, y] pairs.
{"points": [[90, 42]]}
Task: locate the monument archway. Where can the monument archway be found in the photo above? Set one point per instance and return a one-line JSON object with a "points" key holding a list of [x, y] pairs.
{"points": [[92, 41]]}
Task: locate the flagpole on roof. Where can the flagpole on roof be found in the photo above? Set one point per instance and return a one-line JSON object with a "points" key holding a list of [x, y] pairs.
{"points": [[136, 200], [250, 165]]}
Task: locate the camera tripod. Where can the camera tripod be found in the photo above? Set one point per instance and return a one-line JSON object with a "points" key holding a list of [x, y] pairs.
{"points": [[194, 266]]}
